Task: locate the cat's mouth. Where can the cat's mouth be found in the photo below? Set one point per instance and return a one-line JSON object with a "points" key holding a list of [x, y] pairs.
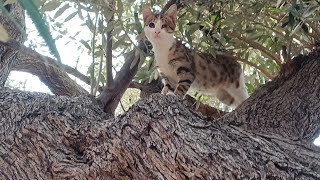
{"points": [[157, 37]]}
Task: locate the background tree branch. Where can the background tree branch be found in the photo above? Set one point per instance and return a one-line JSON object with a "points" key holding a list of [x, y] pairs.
{"points": [[111, 95], [109, 63], [261, 69], [47, 69], [256, 46]]}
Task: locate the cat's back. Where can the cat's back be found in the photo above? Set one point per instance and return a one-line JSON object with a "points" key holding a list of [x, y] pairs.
{"points": [[214, 72]]}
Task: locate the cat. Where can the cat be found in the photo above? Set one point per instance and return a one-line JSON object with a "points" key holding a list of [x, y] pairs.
{"points": [[182, 69]]}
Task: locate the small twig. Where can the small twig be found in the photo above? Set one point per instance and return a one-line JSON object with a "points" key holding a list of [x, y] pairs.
{"points": [[289, 49], [76, 73], [256, 46], [122, 107], [93, 51], [126, 33], [169, 3], [109, 57], [99, 77]]}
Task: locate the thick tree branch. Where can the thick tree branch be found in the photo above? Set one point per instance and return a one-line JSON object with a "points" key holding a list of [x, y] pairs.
{"points": [[160, 137], [46, 69], [8, 56], [76, 73], [299, 85], [111, 95], [155, 87]]}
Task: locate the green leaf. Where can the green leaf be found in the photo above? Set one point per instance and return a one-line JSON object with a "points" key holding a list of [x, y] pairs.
{"points": [[85, 44], [120, 8], [193, 28], [291, 19], [250, 88], [108, 14], [50, 6], [119, 42], [80, 13], [309, 11], [142, 58], [41, 26], [61, 10], [90, 24], [70, 16], [305, 28], [136, 58], [278, 3], [109, 27]]}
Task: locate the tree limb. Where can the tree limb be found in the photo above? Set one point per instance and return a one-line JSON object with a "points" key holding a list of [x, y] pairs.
{"points": [[286, 89], [111, 95], [160, 137], [76, 73], [109, 57], [46, 69], [155, 87]]}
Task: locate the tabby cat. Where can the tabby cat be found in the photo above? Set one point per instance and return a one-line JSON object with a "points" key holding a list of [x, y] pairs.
{"points": [[182, 69]]}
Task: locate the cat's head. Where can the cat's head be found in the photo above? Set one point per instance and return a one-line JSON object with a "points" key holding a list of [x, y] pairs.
{"points": [[159, 27]]}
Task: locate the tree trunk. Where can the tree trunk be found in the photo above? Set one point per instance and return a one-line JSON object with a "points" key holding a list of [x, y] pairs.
{"points": [[268, 137], [8, 56]]}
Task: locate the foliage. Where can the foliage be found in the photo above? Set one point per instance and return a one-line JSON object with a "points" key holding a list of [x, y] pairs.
{"points": [[41, 26], [256, 31]]}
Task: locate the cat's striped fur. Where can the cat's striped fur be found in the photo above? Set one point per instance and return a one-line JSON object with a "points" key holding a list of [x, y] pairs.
{"points": [[182, 69]]}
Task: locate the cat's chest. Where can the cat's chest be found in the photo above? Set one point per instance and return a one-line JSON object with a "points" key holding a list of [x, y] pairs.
{"points": [[163, 66], [162, 59]]}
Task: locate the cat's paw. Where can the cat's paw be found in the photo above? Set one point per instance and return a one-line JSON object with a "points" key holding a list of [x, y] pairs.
{"points": [[170, 93], [165, 91]]}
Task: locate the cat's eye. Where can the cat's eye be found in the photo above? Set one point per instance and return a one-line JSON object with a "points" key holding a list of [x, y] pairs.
{"points": [[151, 25], [163, 26]]}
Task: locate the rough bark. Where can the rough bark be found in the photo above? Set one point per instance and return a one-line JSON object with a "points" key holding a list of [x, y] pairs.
{"points": [[289, 105], [161, 137], [8, 56]]}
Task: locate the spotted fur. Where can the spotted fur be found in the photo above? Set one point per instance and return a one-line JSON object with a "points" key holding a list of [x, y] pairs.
{"points": [[182, 69]]}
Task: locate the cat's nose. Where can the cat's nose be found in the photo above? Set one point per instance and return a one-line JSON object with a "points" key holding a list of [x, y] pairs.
{"points": [[157, 32]]}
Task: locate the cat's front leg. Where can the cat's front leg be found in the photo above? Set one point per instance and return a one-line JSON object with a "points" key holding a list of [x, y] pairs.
{"points": [[186, 77], [167, 89]]}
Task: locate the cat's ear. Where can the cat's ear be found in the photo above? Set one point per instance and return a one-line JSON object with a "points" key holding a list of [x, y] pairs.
{"points": [[146, 12], [172, 13]]}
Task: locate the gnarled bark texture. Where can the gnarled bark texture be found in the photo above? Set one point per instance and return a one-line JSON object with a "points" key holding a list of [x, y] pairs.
{"points": [[8, 56], [15, 56], [161, 137]]}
